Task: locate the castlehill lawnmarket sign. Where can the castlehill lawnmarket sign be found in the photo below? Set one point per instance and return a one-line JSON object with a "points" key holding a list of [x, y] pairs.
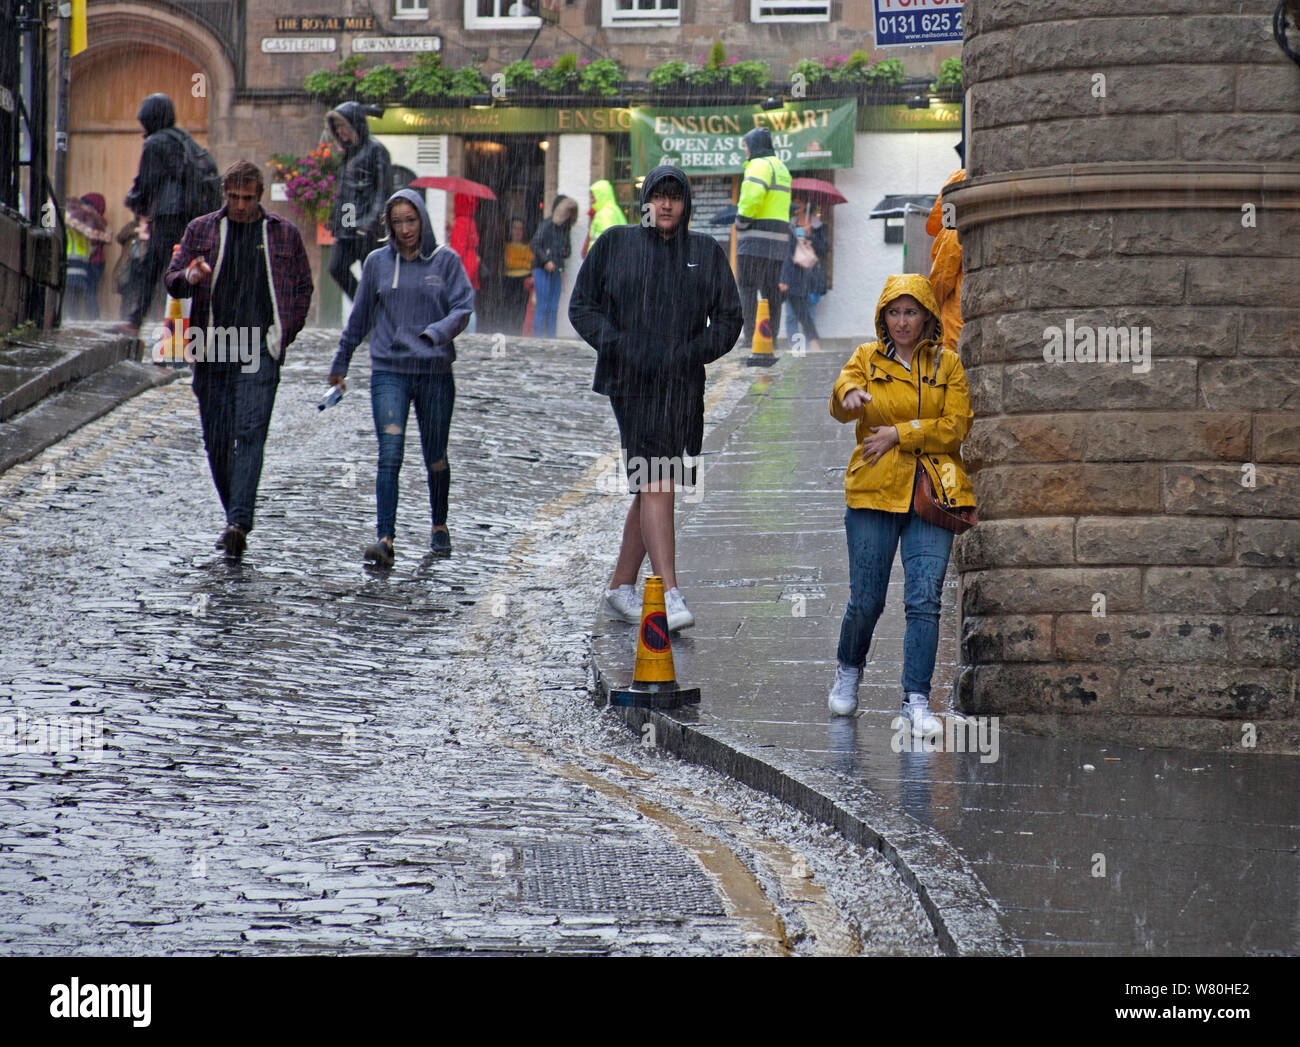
{"points": [[707, 140]]}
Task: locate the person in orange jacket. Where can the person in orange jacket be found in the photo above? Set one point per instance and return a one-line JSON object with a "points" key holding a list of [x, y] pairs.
{"points": [[945, 267]]}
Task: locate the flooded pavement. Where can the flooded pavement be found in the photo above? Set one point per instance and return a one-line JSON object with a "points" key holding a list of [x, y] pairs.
{"points": [[298, 755], [1017, 843]]}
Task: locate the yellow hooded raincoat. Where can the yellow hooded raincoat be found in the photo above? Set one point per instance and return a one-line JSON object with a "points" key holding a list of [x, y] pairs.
{"points": [[946, 268], [930, 434]]}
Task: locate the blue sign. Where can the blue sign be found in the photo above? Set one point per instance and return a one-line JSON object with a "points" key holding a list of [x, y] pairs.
{"points": [[902, 23]]}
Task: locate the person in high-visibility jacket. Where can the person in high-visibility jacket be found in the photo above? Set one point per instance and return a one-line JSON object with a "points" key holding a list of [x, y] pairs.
{"points": [[607, 212], [762, 230], [945, 267]]}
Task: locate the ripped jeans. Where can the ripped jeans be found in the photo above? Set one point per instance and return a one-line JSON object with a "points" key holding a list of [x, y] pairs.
{"points": [[391, 396], [873, 538]]}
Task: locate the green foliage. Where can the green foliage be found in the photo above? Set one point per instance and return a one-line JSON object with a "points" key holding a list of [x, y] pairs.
{"points": [[812, 71], [467, 81], [886, 71], [561, 75], [334, 85], [669, 73], [753, 75], [602, 77], [706, 76], [717, 55], [380, 83], [425, 76], [520, 74], [949, 75]]}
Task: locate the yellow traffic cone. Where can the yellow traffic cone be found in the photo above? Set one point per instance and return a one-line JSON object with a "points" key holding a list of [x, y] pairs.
{"points": [[654, 680], [170, 350], [761, 354]]}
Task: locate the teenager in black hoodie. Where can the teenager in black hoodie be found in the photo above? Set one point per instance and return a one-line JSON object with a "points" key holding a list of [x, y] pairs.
{"points": [[657, 302]]}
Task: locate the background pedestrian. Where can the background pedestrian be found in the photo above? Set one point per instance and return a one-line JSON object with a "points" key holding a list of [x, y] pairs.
{"points": [[362, 189], [762, 230], [551, 249]]}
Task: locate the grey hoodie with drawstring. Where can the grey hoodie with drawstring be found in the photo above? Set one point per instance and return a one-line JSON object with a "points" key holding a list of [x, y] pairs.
{"points": [[415, 306]]}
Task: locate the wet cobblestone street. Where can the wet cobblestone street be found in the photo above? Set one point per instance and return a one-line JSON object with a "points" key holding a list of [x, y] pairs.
{"points": [[301, 755]]}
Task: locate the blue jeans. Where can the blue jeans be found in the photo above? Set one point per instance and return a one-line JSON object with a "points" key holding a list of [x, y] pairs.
{"points": [[235, 411], [547, 287], [873, 538], [391, 396]]}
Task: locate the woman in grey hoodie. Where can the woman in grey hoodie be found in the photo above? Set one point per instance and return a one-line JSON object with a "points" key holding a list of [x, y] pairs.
{"points": [[416, 297]]}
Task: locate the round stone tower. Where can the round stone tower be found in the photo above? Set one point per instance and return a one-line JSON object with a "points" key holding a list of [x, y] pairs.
{"points": [[1130, 227]]}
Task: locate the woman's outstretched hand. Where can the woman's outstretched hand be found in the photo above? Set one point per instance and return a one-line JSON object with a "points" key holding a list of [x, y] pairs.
{"points": [[855, 399], [882, 438]]}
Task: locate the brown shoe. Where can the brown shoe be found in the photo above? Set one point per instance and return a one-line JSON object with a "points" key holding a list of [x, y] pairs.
{"points": [[234, 541]]}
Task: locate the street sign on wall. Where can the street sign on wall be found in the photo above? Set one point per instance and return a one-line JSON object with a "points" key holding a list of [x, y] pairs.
{"points": [[905, 23]]}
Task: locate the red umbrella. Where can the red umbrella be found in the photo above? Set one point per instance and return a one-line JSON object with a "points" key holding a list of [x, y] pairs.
{"points": [[454, 185], [820, 188]]}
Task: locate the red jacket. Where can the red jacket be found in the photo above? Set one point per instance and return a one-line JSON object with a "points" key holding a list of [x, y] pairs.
{"points": [[464, 236], [286, 259]]}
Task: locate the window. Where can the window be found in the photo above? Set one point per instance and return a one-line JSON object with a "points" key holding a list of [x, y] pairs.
{"points": [[411, 9], [501, 14], [789, 10], [630, 14]]}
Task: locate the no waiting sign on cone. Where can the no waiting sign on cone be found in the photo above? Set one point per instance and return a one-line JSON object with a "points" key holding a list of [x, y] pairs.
{"points": [[654, 680]]}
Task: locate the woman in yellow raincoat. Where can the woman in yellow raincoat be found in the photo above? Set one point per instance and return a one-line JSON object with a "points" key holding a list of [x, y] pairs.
{"points": [[908, 396]]}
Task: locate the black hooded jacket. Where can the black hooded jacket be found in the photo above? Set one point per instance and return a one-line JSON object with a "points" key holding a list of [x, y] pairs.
{"points": [[157, 190], [363, 180], [551, 241], [656, 309]]}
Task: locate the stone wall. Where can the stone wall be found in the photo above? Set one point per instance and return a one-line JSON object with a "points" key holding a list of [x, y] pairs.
{"points": [[1138, 558]]}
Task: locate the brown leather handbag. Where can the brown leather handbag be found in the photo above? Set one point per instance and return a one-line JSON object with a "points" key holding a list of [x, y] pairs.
{"points": [[957, 519]]}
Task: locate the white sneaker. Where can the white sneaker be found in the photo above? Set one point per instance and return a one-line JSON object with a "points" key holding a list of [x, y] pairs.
{"points": [[916, 707], [621, 603], [843, 699], [679, 615]]}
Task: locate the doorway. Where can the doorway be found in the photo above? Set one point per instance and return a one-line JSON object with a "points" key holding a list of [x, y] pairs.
{"points": [[514, 168]]}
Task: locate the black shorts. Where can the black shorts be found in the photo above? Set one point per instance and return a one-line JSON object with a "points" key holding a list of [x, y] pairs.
{"points": [[660, 437]]}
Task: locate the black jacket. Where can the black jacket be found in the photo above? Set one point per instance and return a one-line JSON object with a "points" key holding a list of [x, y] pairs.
{"points": [[363, 180], [803, 282], [157, 190], [656, 310], [551, 241]]}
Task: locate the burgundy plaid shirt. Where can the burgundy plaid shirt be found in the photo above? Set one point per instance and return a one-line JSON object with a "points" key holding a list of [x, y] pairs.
{"points": [[290, 271]]}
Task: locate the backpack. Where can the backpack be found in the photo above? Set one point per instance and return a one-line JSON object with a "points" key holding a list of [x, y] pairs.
{"points": [[201, 191]]}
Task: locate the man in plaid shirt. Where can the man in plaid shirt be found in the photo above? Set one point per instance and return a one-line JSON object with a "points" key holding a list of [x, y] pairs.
{"points": [[248, 273]]}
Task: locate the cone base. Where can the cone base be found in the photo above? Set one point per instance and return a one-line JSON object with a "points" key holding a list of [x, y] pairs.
{"points": [[654, 696], [761, 360]]}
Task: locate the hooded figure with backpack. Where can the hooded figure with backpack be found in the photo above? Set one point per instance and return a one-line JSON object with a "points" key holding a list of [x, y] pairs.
{"points": [[176, 182], [363, 187]]}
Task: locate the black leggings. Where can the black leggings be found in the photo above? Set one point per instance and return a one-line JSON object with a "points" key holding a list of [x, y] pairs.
{"points": [[759, 276], [342, 255]]}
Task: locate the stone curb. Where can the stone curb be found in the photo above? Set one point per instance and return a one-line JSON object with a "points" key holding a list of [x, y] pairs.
{"points": [[57, 416], [964, 916], [100, 356]]}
